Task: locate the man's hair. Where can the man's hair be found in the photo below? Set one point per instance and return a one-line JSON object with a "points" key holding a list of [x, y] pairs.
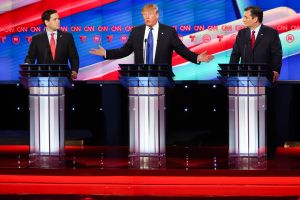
{"points": [[151, 7], [46, 15], [256, 12]]}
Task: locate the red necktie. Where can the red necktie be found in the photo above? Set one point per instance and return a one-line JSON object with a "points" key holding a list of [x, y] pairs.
{"points": [[253, 39], [52, 45]]}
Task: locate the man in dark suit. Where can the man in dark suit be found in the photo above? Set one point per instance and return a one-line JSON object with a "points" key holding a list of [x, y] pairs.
{"points": [[266, 43], [53, 46], [258, 43], [152, 43]]}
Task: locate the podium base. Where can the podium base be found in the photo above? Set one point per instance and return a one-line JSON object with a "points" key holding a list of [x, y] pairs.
{"points": [[247, 162], [47, 161], [147, 161]]}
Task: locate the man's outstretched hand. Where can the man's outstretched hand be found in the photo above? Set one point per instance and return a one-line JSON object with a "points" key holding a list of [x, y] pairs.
{"points": [[100, 51], [203, 57]]}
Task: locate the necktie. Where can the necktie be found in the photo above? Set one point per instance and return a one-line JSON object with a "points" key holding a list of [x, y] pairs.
{"points": [[252, 39], [52, 45], [149, 57]]}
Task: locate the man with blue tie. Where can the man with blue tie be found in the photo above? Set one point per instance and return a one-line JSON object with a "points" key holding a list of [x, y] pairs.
{"points": [[152, 43]]}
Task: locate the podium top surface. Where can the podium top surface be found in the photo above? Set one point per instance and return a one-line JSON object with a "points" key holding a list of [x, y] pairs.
{"points": [[146, 68], [30, 67], [245, 66]]}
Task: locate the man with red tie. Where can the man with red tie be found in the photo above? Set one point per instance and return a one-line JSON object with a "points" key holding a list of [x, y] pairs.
{"points": [[153, 43], [257, 43], [53, 46]]}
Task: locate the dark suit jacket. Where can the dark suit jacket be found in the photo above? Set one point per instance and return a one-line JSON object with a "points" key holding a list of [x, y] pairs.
{"points": [[167, 41], [39, 50], [267, 48]]}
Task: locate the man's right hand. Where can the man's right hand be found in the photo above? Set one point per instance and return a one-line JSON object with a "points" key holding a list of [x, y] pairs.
{"points": [[100, 51]]}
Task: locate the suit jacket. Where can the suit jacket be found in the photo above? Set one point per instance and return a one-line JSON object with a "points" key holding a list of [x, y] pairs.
{"points": [[39, 50], [267, 48], [167, 41]]}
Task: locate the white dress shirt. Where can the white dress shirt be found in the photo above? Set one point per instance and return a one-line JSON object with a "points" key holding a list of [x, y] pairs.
{"points": [[256, 31], [49, 36]]}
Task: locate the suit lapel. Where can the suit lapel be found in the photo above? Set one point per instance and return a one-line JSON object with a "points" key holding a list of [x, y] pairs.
{"points": [[260, 36], [48, 49], [140, 44], [58, 45], [159, 42], [248, 40]]}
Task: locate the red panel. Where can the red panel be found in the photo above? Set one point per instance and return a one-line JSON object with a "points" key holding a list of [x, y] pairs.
{"points": [[154, 185]]}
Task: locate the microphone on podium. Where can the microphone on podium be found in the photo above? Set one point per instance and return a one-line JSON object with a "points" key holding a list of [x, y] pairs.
{"points": [[144, 53]]}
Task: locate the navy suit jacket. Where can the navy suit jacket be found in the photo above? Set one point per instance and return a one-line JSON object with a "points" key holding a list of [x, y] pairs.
{"points": [[267, 48], [167, 41], [39, 50]]}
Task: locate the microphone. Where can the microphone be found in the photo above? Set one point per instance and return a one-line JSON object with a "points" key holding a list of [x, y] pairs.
{"points": [[144, 53]]}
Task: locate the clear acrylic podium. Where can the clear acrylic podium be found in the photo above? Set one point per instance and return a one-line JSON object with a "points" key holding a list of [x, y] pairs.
{"points": [[46, 83], [246, 85], [146, 85]]}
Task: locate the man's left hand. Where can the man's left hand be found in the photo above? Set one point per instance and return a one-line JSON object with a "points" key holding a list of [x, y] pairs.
{"points": [[74, 75], [203, 57], [275, 76]]}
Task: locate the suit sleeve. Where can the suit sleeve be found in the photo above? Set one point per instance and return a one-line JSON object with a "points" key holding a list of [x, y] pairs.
{"points": [[181, 49], [32, 52], [276, 53], [236, 53], [73, 54], [122, 52]]}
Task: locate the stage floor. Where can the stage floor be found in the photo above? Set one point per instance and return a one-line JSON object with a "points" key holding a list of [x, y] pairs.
{"points": [[94, 172]]}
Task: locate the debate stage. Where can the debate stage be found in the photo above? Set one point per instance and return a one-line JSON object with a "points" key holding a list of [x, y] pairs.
{"points": [[191, 172]]}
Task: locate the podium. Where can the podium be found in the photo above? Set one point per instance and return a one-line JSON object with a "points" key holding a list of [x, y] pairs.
{"points": [[46, 83], [146, 85], [246, 85]]}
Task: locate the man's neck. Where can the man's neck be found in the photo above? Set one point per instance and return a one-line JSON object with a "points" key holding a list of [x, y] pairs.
{"points": [[255, 26], [50, 30], [153, 25]]}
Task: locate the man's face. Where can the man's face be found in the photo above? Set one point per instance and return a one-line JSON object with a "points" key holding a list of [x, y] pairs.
{"points": [[249, 21], [54, 22], [150, 17]]}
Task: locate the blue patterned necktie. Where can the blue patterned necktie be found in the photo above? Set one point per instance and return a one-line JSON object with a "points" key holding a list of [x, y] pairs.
{"points": [[149, 57]]}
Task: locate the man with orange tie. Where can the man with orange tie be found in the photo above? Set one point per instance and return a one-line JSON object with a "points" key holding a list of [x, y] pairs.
{"points": [[257, 43], [153, 43], [53, 46]]}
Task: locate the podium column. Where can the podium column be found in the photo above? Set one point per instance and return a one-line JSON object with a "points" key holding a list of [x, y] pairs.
{"points": [[46, 83], [146, 92], [246, 85], [47, 130], [247, 143], [147, 127]]}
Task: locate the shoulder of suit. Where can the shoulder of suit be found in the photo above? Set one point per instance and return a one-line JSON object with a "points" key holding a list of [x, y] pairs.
{"points": [[139, 27], [165, 27], [63, 32], [39, 35], [244, 30], [268, 28]]}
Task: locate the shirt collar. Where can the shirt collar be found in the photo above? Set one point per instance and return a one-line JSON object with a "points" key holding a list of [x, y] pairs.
{"points": [[257, 29], [49, 33], [155, 27]]}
